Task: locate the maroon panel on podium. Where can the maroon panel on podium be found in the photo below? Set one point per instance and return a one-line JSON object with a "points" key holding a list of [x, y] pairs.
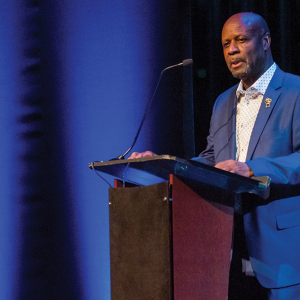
{"points": [[202, 236]]}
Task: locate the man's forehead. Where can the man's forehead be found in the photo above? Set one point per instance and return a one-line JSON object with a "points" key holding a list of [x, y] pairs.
{"points": [[245, 21], [238, 27]]}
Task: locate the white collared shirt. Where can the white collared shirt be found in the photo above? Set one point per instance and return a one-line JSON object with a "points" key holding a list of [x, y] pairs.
{"points": [[248, 106]]}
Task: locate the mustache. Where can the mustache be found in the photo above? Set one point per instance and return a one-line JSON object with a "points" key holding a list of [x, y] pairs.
{"points": [[236, 60]]}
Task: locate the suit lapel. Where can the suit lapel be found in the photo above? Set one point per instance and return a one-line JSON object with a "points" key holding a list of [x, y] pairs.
{"points": [[273, 92]]}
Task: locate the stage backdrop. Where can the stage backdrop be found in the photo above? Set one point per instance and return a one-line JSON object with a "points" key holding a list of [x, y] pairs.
{"points": [[76, 77]]}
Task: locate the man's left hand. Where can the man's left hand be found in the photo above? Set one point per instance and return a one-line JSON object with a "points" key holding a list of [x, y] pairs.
{"points": [[235, 167]]}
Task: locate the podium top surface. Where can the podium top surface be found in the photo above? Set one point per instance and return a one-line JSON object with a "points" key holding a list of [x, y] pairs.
{"points": [[152, 170]]}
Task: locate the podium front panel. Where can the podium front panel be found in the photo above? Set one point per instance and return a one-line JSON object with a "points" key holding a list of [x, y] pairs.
{"points": [[140, 230]]}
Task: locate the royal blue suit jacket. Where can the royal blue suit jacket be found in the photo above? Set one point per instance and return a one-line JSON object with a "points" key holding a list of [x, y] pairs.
{"points": [[272, 226]]}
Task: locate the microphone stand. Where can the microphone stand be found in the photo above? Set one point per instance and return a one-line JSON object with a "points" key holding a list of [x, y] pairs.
{"points": [[185, 62]]}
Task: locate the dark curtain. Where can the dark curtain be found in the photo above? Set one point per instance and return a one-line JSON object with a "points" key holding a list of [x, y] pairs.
{"points": [[171, 114], [211, 76]]}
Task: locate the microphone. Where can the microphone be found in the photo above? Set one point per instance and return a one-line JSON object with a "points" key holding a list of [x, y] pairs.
{"points": [[185, 62]]}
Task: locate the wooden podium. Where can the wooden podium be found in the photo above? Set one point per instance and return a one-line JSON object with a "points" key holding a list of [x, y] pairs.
{"points": [[170, 237]]}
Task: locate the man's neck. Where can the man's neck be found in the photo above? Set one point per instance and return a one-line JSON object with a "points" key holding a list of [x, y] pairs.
{"points": [[247, 82]]}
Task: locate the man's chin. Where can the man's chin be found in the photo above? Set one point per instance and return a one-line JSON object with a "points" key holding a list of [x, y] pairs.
{"points": [[239, 75]]}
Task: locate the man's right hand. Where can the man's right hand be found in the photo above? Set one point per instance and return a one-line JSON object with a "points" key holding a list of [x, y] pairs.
{"points": [[142, 154]]}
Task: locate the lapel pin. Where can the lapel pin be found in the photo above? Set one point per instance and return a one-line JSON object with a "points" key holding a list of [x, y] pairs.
{"points": [[268, 102]]}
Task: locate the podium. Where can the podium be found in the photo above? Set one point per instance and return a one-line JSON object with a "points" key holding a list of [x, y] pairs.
{"points": [[171, 226]]}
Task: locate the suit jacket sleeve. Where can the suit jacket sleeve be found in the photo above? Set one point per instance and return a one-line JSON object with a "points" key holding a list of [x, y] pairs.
{"points": [[208, 156], [221, 142]]}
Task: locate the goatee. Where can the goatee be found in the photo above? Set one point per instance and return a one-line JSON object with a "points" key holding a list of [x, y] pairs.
{"points": [[242, 74]]}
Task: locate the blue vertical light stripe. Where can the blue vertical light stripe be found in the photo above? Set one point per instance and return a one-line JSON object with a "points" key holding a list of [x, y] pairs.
{"points": [[9, 78], [106, 51]]}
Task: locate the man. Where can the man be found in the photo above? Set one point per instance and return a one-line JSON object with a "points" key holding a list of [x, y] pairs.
{"points": [[255, 130]]}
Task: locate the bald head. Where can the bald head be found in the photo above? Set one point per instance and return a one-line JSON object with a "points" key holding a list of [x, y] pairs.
{"points": [[250, 20], [246, 44]]}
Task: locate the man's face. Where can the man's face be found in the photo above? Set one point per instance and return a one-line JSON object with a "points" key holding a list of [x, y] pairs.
{"points": [[243, 48]]}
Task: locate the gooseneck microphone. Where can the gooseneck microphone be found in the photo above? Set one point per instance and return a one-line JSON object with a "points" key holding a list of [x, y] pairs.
{"points": [[184, 63]]}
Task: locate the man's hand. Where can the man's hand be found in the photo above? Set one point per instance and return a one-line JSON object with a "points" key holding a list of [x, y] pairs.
{"points": [[142, 154], [235, 167]]}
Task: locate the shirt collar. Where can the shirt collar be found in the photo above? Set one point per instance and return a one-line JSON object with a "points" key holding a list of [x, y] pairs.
{"points": [[260, 84]]}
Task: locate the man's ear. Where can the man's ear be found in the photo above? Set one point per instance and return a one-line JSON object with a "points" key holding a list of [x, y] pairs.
{"points": [[267, 41]]}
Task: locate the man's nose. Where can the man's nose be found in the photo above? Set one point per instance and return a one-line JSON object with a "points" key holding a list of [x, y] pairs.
{"points": [[233, 49]]}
